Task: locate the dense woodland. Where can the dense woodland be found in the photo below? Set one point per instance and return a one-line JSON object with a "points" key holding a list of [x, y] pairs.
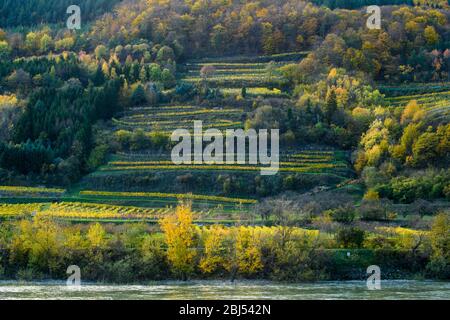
{"points": [[355, 4], [34, 12]]}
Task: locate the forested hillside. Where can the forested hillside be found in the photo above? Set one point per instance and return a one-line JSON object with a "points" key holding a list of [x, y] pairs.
{"points": [[86, 117], [29, 13], [355, 4]]}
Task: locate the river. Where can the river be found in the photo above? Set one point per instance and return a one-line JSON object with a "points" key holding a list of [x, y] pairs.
{"points": [[241, 290]]}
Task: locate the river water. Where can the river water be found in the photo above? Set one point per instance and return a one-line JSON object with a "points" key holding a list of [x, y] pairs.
{"points": [[241, 290]]}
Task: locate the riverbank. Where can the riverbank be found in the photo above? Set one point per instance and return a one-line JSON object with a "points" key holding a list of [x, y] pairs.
{"points": [[240, 290], [42, 248]]}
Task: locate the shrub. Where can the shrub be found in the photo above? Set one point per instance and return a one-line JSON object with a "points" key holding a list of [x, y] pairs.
{"points": [[98, 156], [371, 195], [372, 211], [350, 237], [185, 91], [379, 242], [440, 244], [345, 214]]}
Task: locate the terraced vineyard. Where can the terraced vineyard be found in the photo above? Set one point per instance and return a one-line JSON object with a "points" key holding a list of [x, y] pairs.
{"points": [[435, 104], [19, 210], [122, 188], [153, 180], [258, 76], [76, 210], [166, 119], [256, 92], [414, 89], [146, 185], [11, 191], [302, 162], [149, 179], [83, 211]]}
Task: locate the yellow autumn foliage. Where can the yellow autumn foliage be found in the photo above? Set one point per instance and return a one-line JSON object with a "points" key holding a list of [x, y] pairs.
{"points": [[179, 233]]}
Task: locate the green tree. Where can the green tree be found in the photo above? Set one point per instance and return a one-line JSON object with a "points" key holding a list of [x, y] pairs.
{"points": [[45, 43], [100, 52], [425, 149], [165, 54], [440, 243], [431, 36], [331, 105], [167, 78], [244, 92], [138, 96], [352, 237], [5, 49]]}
